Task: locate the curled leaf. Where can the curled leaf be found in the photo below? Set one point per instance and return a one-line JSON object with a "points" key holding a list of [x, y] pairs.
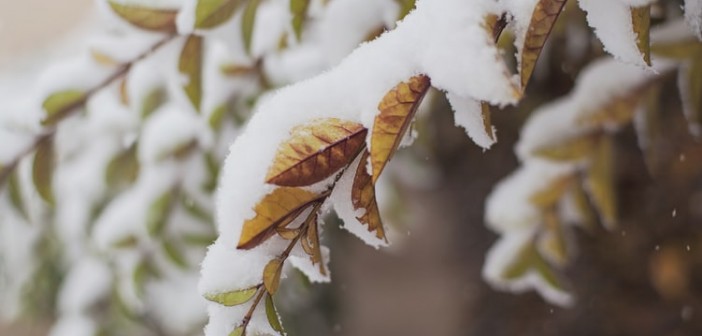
{"points": [[272, 314], [363, 198], [271, 275], [641, 22], [190, 65], [59, 104], [43, 170], [275, 210], [315, 151], [212, 13], [154, 19], [542, 21], [298, 9], [233, 298], [396, 112]]}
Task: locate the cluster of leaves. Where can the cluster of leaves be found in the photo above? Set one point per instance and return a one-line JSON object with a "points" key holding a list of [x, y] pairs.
{"points": [[584, 157]]}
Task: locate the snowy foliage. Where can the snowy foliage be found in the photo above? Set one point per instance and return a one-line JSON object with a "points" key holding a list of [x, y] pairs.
{"points": [[120, 149]]}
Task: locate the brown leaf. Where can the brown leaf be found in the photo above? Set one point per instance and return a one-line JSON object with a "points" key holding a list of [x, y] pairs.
{"points": [[396, 112], [315, 151], [494, 25], [154, 19], [600, 182], [641, 22], [542, 20], [363, 198], [190, 65], [275, 210], [487, 123], [312, 237], [271, 275]]}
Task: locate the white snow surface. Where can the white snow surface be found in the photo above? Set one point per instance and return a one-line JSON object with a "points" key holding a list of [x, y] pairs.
{"points": [[693, 16]]}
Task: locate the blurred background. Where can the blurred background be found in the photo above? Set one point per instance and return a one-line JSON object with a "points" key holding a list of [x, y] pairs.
{"points": [[645, 278]]}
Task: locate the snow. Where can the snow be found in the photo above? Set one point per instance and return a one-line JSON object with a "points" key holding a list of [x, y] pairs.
{"points": [[88, 281], [468, 115], [693, 16], [611, 21]]}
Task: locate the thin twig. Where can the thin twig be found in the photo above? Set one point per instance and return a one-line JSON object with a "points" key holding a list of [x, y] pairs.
{"points": [[73, 108]]}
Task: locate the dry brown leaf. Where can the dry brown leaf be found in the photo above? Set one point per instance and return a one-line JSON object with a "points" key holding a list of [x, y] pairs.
{"points": [[600, 182], [315, 151], [271, 275], [396, 111], [641, 22], [275, 210], [363, 198], [311, 245], [542, 20]]}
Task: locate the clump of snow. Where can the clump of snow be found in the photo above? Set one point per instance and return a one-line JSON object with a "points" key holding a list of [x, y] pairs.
{"points": [[693, 16], [468, 114]]}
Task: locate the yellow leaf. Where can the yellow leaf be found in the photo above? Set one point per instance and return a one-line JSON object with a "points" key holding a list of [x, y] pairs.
{"points": [[494, 25], [238, 331], [619, 110], [405, 7], [363, 198], [311, 244], [162, 20], [190, 65], [233, 298], [396, 112], [248, 21], [487, 123], [315, 151], [542, 20], [102, 58], [569, 150], [58, 105], [641, 22], [600, 182], [212, 13], [288, 234], [123, 93], [550, 195], [272, 315], [583, 206], [684, 49], [298, 9], [43, 170], [552, 242], [271, 275], [528, 260], [275, 210]]}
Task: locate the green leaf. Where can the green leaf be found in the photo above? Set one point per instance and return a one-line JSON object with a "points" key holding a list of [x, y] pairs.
{"points": [[238, 331], [233, 298], [298, 9], [271, 275], [405, 7], [16, 197], [190, 65], [123, 169], [195, 210], [59, 104], [43, 170], [158, 214], [248, 21], [201, 240], [174, 254], [143, 271], [154, 19], [152, 101], [272, 314], [212, 13], [212, 164]]}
